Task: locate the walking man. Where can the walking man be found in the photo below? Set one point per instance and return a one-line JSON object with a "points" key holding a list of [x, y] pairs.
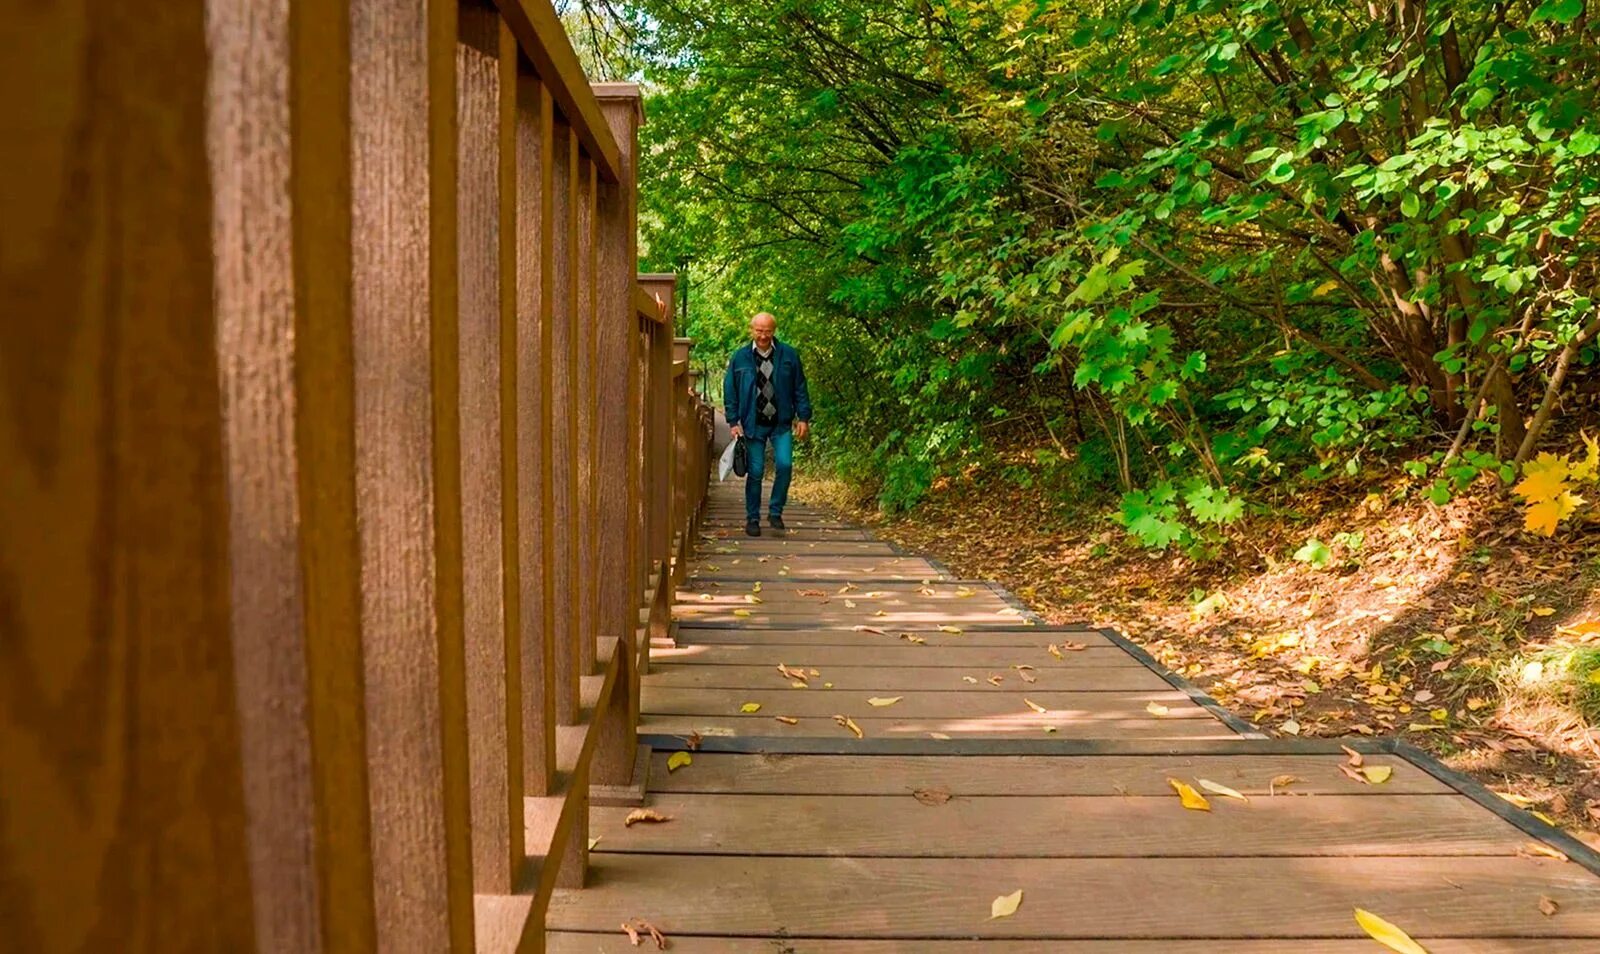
{"points": [[765, 398]]}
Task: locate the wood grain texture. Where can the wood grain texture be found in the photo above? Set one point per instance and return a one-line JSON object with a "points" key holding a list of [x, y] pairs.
{"points": [[1002, 704], [971, 658], [1129, 677], [582, 411], [1083, 898], [615, 942], [1021, 725], [403, 300], [125, 818], [1099, 775], [1113, 826], [562, 361], [493, 711], [535, 521], [1028, 646]]}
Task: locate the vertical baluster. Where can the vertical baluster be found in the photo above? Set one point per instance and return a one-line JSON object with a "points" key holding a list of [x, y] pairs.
{"points": [[403, 293]]}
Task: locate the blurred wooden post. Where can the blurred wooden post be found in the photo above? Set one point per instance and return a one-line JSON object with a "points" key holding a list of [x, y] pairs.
{"points": [[658, 458], [125, 825]]}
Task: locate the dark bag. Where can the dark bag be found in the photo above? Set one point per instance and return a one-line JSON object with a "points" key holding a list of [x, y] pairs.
{"points": [[741, 457]]}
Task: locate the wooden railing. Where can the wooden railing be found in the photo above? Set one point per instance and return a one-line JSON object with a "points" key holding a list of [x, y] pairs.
{"points": [[344, 469]]}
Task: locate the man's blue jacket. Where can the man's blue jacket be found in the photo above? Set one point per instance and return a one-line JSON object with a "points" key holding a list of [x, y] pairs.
{"points": [[788, 380]]}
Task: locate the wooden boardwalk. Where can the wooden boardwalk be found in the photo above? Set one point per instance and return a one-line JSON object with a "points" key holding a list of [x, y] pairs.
{"points": [[1014, 755]]}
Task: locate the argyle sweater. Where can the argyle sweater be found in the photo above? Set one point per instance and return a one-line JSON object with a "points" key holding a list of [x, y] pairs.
{"points": [[766, 408]]}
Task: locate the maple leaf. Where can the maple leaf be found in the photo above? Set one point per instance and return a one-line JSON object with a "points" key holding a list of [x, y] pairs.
{"points": [[1545, 489]]}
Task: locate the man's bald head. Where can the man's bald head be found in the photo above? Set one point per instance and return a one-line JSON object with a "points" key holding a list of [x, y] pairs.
{"points": [[763, 328]]}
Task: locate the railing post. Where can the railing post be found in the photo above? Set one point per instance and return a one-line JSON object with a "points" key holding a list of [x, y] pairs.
{"points": [[616, 338]]}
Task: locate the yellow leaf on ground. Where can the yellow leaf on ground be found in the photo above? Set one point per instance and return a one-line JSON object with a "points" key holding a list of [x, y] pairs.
{"points": [[750, 707], [594, 841], [1387, 934], [1035, 706], [881, 701], [1222, 790], [1290, 728], [741, 613], [1005, 905], [1056, 651], [755, 587], [751, 598], [939, 735], [1191, 799], [1157, 709], [1538, 849], [1544, 611], [678, 760], [644, 815], [952, 630], [1377, 774], [850, 604], [1280, 781]]}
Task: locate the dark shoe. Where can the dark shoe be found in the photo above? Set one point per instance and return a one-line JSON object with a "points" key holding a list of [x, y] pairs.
{"points": [[753, 528], [777, 522]]}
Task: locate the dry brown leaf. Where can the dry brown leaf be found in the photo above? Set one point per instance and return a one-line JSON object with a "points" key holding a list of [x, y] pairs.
{"points": [[1055, 651], [1157, 709], [932, 796], [1034, 705], [640, 926], [913, 638], [1548, 906], [1355, 757], [813, 592], [939, 735], [692, 743], [1353, 774], [644, 815], [1026, 673], [870, 629], [849, 723], [994, 679], [1281, 781], [952, 630], [850, 604], [787, 720], [799, 674], [969, 679], [1073, 647]]}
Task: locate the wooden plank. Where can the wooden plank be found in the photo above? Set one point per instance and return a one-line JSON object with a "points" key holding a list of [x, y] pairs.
{"points": [[689, 634], [493, 710], [1104, 775], [898, 826], [544, 41], [577, 942], [972, 658], [1084, 898], [793, 536], [125, 825], [535, 508], [997, 704], [403, 239], [1023, 725], [887, 680]]}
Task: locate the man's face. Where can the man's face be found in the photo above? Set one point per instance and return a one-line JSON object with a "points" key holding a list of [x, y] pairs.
{"points": [[762, 330]]}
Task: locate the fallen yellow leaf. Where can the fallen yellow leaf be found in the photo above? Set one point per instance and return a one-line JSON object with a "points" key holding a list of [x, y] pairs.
{"points": [[741, 612], [1056, 651], [751, 598], [1005, 905], [1034, 705], [750, 707], [952, 630], [678, 760], [1544, 611], [1157, 709], [939, 735], [1191, 799], [1377, 774], [756, 587], [1222, 790], [850, 604], [881, 701], [1387, 934], [1538, 849]]}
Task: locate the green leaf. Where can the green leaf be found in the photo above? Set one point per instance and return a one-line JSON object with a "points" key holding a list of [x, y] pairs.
{"points": [[1561, 11], [1315, 553]]}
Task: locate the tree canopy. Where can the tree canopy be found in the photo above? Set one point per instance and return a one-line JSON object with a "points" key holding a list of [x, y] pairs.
{"points": [[1192, 252]]}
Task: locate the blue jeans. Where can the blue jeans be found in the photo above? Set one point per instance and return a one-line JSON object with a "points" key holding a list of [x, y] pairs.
{"points": [[783, 456]]}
